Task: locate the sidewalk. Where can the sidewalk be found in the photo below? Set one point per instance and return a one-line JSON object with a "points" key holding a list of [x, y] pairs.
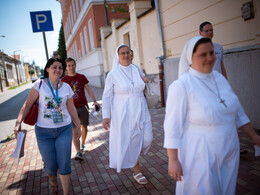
{"points": [[93, 175]]}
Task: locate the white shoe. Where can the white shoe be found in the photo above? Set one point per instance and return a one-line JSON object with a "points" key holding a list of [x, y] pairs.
{"points": [[84, 147]]}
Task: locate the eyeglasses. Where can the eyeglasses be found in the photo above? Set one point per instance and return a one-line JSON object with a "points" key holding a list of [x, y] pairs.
{"points": [[123, 53], [210, 30]]}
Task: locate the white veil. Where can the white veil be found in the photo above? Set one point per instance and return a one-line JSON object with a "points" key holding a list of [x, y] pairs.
{"points": [[186, 55], [116, 59]]}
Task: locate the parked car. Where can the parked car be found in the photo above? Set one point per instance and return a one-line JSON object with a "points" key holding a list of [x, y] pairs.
{"points": [[34, 79]]}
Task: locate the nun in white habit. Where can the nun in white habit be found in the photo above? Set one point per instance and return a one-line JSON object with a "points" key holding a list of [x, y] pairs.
{"points": [[126, 114], [202, 117]]}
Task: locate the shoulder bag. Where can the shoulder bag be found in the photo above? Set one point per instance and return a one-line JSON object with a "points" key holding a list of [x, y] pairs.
{"points": [[151, 98], [32, 116]]}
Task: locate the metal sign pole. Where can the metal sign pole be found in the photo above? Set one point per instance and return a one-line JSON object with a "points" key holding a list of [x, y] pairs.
{"points": [[45, 45]]}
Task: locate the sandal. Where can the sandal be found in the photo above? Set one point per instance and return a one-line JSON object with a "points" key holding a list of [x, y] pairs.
{"points": [[53, 182], [243, 151], [138, 177]]}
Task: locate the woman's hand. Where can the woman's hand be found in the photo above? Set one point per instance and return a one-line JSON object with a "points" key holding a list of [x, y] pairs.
{"points": [[175, 170], [78, 132], [256, 140], [250, 131], [145, 79], [106, 123], [17, 128]]}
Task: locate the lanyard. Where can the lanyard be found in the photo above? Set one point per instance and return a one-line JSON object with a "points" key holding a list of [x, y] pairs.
{"points": [[56, 98]]}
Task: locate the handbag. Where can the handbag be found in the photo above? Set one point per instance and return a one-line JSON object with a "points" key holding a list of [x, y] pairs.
{"points": [[32, 116], [152, 99]]}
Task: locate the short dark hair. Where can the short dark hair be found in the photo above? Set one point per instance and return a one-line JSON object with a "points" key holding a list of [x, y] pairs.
{"points": [[201, 41], [50, 62], [204, 24], [69, 60]]}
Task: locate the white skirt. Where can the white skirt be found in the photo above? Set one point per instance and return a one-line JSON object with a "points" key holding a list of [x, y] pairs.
{"points": [[210, 159]]}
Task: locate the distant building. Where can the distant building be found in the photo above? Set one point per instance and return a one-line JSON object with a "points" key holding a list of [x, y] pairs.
{"points": [[11, 71], [82, 20]]}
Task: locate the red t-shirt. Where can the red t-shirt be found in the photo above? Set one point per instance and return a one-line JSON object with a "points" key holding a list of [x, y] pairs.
{"points": [[77, 84]]}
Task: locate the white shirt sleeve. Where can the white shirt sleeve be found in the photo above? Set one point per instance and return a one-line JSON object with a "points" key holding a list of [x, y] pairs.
{"points": [[36, 84], [69, 90], [241, 118], [107, 97], [176, 109]]}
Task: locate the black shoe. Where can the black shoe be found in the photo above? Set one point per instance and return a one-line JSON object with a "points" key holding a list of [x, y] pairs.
{"points": [[78, 156]]}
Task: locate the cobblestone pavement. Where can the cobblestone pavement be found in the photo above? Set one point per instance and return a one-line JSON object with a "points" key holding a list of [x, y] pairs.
{"points": [[93, 175]]}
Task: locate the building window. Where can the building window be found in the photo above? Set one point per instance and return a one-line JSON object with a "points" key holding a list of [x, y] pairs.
{"points": [[86, 39], [74, 11], [79, 54], [2, 72], [71, 16], [127, 39], [77, 7], [81, 3], [91, 37], [76, 49], [9, 72], [82, 44]]}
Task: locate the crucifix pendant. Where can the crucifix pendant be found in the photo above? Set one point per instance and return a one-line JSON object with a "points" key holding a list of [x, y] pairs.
{"points": [[223, 102]]}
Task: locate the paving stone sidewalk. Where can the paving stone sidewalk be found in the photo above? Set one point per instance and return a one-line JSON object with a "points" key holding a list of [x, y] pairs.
{"points": [[93, 175]]}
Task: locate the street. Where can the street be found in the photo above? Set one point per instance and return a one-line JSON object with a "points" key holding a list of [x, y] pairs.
{"points": [[11, 102]]}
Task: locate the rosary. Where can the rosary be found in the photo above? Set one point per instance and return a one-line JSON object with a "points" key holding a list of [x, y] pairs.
{"points": [[131, 80], [222, 101]]}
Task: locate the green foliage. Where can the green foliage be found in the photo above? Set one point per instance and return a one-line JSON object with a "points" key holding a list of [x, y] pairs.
{"points": [[61, 45], [14, 87], [117, 9], [31, 72]]}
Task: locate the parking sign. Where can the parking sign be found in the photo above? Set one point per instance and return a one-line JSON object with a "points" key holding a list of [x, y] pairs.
{"points": [[41, 21]]}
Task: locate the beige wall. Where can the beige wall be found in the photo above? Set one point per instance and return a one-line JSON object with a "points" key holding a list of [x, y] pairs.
{"points": [[181, 20], [143, 38], [150, 42], [111, 47]]}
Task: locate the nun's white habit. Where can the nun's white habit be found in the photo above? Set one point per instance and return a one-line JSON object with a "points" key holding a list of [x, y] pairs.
{"points": [[125, 105], [203, 129]]}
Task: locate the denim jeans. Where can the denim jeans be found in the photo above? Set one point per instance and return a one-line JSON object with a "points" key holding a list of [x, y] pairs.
{"points": [[55, 148]]}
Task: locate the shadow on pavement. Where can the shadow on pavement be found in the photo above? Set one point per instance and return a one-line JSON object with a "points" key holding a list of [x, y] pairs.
{"points": [[10, 108]]}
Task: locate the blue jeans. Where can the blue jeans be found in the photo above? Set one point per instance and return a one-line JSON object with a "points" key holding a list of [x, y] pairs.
{"points": [[55, 148]]}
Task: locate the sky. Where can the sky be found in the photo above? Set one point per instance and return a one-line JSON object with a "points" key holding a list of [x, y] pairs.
{"points": [[16, 26]]}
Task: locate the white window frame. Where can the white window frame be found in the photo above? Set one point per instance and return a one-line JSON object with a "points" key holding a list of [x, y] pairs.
{"points": [[82, 44], [81, 3], [76, 49], [86, 38], [71, 15], [91, 36], [74, 10], [77, 6]]}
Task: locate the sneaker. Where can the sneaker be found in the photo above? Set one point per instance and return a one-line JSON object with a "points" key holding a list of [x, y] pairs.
{"points": [[84, 147], [78, 156]]}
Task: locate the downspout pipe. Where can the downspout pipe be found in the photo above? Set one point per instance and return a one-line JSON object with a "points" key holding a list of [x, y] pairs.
{"points": [[161, 58], [105, 11]]}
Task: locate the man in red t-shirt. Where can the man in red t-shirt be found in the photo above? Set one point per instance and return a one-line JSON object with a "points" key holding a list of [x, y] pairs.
{"points": [[78, 82]]}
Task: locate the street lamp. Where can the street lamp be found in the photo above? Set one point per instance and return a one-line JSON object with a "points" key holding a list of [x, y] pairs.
{"points": [[16, 67]]}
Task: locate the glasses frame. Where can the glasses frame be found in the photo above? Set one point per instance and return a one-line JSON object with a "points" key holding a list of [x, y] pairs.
{"points": [[124, 53], [210, 30]]}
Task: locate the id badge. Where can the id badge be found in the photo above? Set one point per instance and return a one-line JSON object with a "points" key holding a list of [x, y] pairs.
{"points": [[57, 116]]}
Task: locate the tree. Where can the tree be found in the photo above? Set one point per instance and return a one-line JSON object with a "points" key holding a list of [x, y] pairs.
{"points": [[31, 72], [61, 45]]}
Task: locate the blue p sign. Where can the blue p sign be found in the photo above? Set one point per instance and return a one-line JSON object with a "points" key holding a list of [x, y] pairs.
{"points": [[41, 21]]}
